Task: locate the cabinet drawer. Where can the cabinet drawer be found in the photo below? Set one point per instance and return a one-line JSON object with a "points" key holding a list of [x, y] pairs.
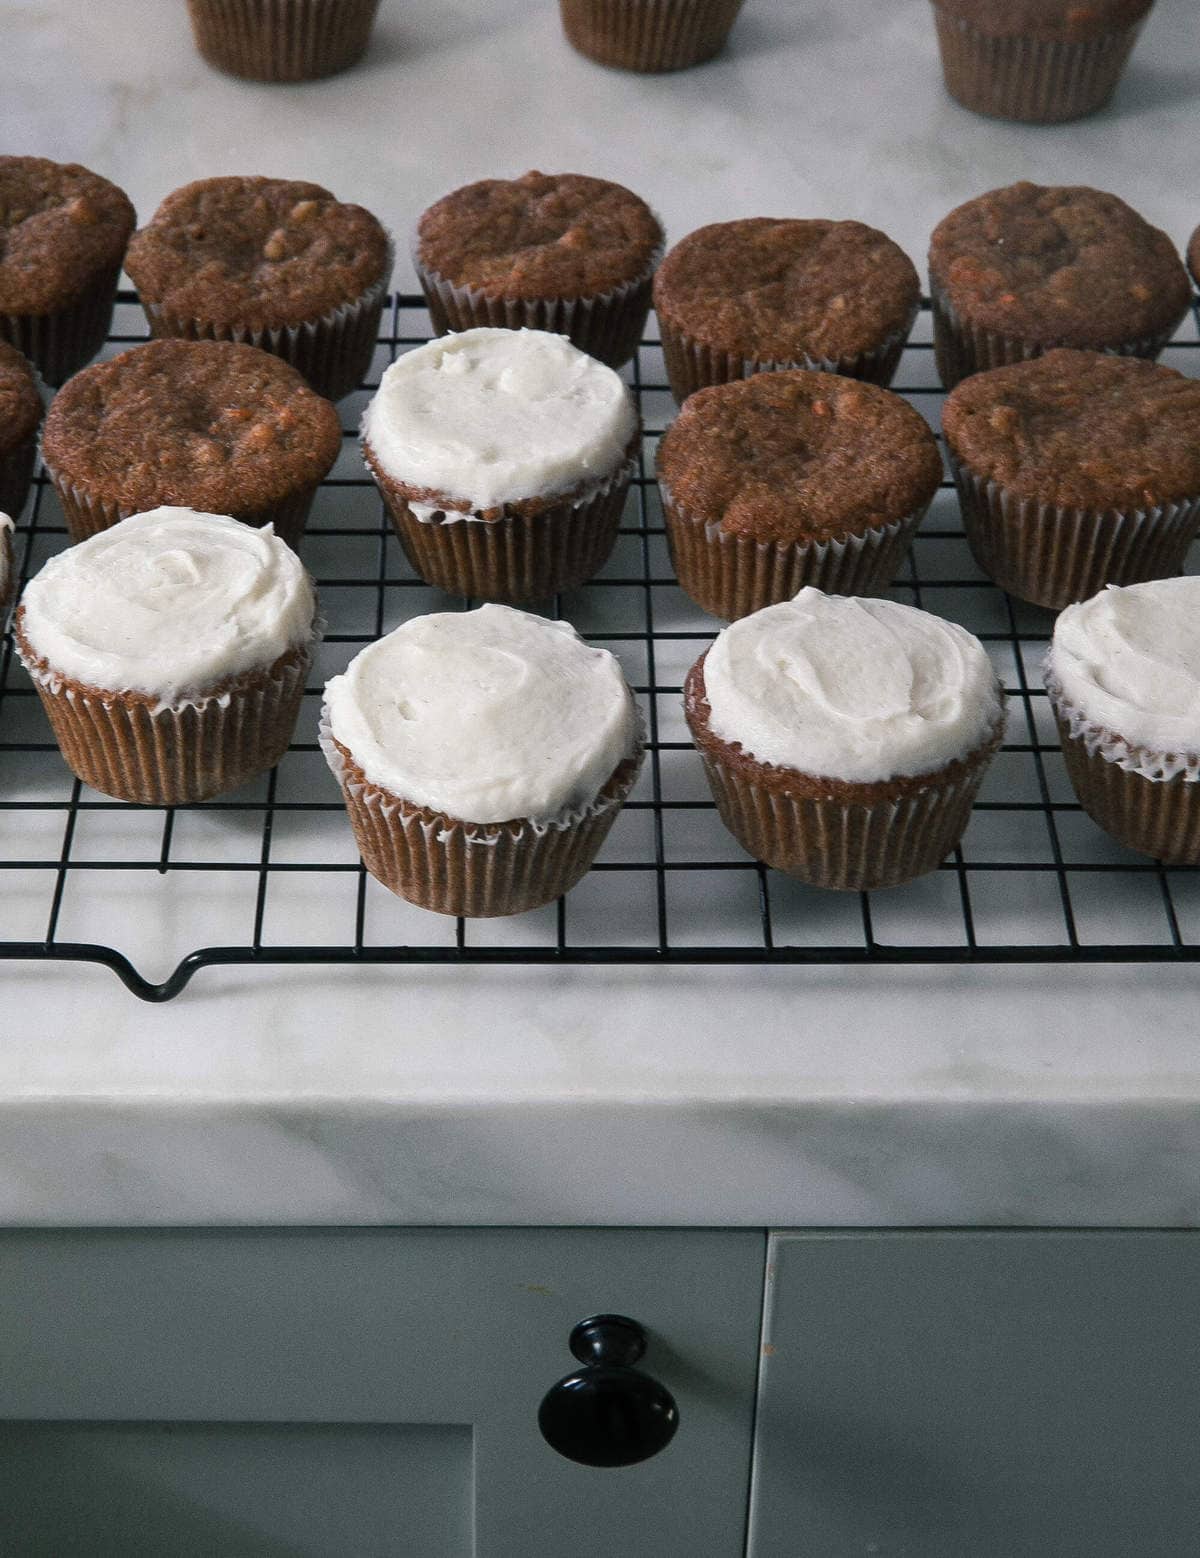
{"points": [[979, 1395], [326, 1393]]}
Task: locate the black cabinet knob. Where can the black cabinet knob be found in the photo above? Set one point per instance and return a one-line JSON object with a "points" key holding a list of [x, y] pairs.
{"points": [[608, 1413]]}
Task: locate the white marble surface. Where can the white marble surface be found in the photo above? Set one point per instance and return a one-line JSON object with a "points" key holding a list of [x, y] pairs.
{"points": [[687, 1096]]}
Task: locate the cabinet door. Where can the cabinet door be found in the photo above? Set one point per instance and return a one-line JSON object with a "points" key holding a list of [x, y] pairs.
{"points": [[327, 1394], [979, 1395]]}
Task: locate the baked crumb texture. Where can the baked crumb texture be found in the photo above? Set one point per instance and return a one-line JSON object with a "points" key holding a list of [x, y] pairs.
{"points": [[20, 414], [1029, 267], [274, 263], [1040, 61], [560, 252], [208, 425], [737, 298], [63, 232], [1076, 470], [282, 40], [653, 35], [793, 478]]}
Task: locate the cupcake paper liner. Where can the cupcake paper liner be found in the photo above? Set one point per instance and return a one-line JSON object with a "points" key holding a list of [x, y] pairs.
{"points": [[517, 557], [16, 476], [692, 365], [333, 352], [648, 35], [8, 565], [282, 40], [607, 325], [1052, 554], [732, 575], [88, 513], [961, 348], [473, 869], [1148, 801], [61, 343], [128, 746], [1037, 81], [830, 841]]}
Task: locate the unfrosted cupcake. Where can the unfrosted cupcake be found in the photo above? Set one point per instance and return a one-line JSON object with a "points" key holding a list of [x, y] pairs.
{"points": [[649, 35], [1193, 256], [20, 414], [788, 479], [548, 251], [63, 231], [483, 757], [1076, 470], [737, 298], [8, 569], [1043, 61], [1123, 675], [274, 263], [170, 654], [504, 457], [1029, 267], [282, 40], [223, 428], [845, 740]]}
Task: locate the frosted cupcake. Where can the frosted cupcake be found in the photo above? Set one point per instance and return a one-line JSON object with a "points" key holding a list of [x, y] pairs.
{"points": [[504, 457], [1123, 675], [170, 653], [844, 740], [483, 757]]}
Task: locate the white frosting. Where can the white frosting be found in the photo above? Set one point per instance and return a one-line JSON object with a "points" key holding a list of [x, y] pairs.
{"points": [[1129, 660], [485, 715], [170, 602], [850, 689], [492, 416]]}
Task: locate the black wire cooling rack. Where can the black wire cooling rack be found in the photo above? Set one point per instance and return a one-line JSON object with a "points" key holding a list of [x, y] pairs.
{"points": [[269, 875]]}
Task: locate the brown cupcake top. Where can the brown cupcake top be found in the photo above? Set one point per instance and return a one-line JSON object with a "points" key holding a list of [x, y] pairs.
{"points": [[1082, 429], [206, 424], [1067, 266], [786, 290], [20, 403], [60, 227], [1071, 21], [544, 235], [799, 456], [259, 252]]}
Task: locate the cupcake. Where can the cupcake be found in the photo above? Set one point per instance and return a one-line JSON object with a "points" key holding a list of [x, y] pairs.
{"points": [[1076, 470], [649, 35], [845, 740], [1193, 256], [1123, 675], [791, 479], [1025, 268], [504, 457], [548, 251], [274, 263], [222, 428], [20, 414], [170, 654], [483, 757], [1042, 61], [63, 232], [745, 297], [282, 40], [8, 565]]}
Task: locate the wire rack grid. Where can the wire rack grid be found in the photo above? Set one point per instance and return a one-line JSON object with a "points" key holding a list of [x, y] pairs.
{"points": [[269, 875]]}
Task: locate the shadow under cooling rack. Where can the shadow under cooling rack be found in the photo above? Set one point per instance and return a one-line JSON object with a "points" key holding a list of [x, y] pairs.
{"points": [[269, 874]]}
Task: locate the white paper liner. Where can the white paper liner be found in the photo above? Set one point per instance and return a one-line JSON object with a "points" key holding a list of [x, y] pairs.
{"points": [[479, 870], [1054, 554], [693, 365], [333, 351], [607, 325], [650, 35], [282, 40], [1032, 80], [961, 348], [1158, 767], [734, 575]]}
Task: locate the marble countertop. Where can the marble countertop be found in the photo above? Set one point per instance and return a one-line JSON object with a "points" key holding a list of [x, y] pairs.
{"points": [[890, 1096]]}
